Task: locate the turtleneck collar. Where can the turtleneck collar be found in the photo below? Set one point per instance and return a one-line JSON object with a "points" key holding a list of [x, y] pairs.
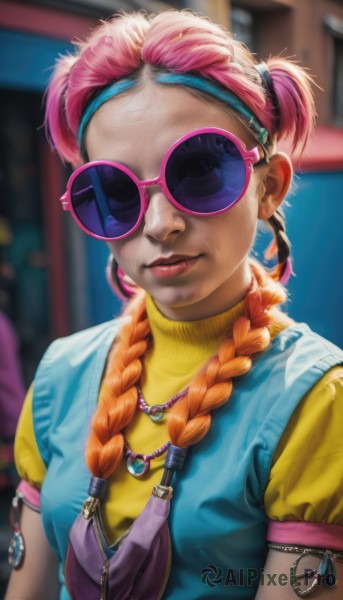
{"points": [[191, 339]]}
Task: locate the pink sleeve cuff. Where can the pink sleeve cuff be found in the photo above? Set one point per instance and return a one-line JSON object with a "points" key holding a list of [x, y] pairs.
{"points": [[30, 494], [305, 533]]}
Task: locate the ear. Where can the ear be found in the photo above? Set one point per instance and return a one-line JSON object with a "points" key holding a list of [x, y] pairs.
{"points": [[276, 182]]}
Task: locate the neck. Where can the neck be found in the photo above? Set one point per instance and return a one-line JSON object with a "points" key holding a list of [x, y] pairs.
{"points": [[232, 291]]}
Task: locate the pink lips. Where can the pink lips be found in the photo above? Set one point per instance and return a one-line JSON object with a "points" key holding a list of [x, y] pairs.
{"points": [[170, 266]]}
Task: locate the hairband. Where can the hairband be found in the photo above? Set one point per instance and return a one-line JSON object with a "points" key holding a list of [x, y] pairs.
{"points": [[269, 87], [105, 94], [214, 89], [189, 80]]}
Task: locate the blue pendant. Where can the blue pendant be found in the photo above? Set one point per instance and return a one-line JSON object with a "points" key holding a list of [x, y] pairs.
{"points": [[138, 465], [158, 415]]}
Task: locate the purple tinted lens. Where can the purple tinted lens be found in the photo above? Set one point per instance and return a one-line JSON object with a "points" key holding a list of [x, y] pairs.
{"points": [[206, 173], [106, 201]]}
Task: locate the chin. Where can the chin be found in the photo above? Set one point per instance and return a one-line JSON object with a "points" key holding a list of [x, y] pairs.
{"points": [[190, 307], [177, 298]]}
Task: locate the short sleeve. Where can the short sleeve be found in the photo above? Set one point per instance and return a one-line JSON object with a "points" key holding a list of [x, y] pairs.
{"points": [[304, 494], [27, 457]]}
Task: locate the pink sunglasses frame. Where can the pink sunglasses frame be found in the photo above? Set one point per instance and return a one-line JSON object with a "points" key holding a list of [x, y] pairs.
{"points": [[250, 157]]}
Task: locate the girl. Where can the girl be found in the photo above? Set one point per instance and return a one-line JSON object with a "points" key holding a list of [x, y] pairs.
{"points": [[205, 389]]}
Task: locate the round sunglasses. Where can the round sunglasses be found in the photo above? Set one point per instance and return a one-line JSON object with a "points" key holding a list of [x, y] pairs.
{"points": [[203, 173]]}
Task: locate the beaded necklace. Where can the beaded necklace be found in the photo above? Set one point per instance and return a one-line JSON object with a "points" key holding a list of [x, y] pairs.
{"points": [[137, 463], [156, 412]]}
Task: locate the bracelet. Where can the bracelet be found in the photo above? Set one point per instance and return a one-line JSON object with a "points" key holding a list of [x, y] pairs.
{"points": [[338, 554], [16, 548], [24, 500], [326, 570]]}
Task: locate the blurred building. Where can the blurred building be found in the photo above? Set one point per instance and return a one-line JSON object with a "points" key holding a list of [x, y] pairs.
{"points": [[59, 283], [312, 32]]}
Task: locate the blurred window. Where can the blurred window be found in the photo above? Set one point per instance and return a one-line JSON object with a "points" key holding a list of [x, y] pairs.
{"points": [[334, 25], [338, 81], [243, 26]]}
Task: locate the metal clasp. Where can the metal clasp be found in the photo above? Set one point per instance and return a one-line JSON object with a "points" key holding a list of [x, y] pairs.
{"points": [[89, 507]]}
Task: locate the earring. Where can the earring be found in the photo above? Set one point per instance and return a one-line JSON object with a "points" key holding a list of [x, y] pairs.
{"points": [[120, 283]]}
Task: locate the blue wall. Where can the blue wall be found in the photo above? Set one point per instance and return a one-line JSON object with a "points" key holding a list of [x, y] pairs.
{"points": [[102, 303], [314, 226], [27, 60]]}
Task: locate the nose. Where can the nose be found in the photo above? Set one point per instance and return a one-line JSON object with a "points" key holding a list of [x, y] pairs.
{"points": [[162, 219]]}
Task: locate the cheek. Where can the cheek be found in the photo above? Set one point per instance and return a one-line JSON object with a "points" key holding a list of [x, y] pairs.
{"points": [[119, 250], [125, 252], [236, 229]]}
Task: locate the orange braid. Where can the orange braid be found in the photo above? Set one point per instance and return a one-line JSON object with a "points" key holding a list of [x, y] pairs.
{"points": [[118, 395], [190, 418]]}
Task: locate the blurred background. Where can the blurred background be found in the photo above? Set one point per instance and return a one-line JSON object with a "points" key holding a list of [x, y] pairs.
{"points": [[52, 276]]}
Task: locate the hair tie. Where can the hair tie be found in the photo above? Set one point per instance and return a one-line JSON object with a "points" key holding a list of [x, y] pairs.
{"points": [[97, 487], [269, 87], [287, 271]]}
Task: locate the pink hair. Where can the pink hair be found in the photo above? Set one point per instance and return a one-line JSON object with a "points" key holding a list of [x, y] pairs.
{"points": [[177, 41], [292, 86]]}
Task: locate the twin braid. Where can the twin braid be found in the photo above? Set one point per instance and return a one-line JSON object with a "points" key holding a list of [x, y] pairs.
{"points": [[278, 225], [190, 418]]}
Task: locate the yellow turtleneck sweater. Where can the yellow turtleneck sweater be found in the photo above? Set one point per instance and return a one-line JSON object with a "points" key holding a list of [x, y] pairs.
{"points": [[178, 351]]}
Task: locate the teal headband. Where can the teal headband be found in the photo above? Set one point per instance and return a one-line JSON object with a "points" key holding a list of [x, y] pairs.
{"points": [[106, 94], [193, 81], [209, 87]]}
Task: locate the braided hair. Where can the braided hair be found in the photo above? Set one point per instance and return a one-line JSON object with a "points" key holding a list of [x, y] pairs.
{"points": [[190, 418]]}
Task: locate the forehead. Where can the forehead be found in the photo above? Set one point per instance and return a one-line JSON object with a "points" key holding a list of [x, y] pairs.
{"points": [[153, 116]]}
